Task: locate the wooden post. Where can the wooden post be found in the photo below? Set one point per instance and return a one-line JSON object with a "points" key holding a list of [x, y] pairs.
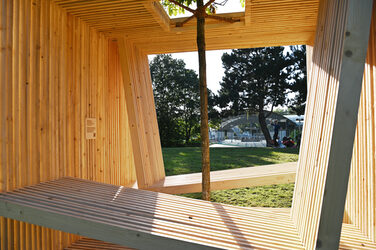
{"points": [[309, 53], [350, 82], [141, 157]]}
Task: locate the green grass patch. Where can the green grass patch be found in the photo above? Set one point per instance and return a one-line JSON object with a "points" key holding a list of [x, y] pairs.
{"points": [[264, 196], [187, 160]]}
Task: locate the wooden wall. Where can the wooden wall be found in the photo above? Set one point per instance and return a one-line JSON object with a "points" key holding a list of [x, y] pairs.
{"points": [[361, 196], [317, 132], [55, 72]]}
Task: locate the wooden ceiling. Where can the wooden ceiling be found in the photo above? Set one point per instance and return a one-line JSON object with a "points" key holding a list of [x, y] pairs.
{"points": [[264, 23]]}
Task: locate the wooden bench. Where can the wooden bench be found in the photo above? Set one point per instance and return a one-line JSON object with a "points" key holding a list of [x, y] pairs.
{"points": [[351, 239], [150, 220], [145, 219], [228, 179]]}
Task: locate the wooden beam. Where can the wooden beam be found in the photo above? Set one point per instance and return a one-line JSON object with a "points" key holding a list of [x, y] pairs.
{"points": [[136, 125], [215, 25], [159, 170], [159, 14], [360, 207], [346, 113]]}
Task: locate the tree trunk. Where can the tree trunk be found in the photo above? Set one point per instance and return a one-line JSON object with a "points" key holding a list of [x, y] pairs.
{"points": [[264, 127], [203, 101]]}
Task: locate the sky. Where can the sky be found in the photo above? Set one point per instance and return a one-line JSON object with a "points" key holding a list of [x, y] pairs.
{"points": [[214, 70]]}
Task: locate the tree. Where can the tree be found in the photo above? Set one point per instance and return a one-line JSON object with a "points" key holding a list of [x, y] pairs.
{"points": [[299, 79], [255, 80], [200, 13], [176, 99]]}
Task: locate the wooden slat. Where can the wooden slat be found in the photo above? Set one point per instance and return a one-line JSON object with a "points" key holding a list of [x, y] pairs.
{"points": [[125, 216], [351, 236], [159, 14], [145, 219], [312, 183], [282, 22], [54, 74], [87, 244], [228, 179], [357, 22], [59, 66]]}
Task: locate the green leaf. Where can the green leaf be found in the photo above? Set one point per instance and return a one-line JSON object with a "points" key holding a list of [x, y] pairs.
{"points": [[242, 2]]}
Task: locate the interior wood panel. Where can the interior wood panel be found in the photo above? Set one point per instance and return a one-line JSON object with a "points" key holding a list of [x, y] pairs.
{"points": [[55, 72]]}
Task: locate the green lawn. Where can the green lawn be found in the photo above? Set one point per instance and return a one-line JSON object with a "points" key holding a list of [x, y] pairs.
{"points": [[264, 196], [188, 160]]}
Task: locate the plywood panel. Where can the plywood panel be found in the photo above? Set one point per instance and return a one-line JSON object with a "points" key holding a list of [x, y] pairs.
{"points": [[55, 72]]}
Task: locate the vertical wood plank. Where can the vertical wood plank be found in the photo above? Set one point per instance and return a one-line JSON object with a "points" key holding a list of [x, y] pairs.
{"points": [[360, 203], [53, 72], [354, 50], [141, 156], [324, 89]]}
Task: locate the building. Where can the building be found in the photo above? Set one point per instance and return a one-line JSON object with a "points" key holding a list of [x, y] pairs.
{"points": [[246, 128]]}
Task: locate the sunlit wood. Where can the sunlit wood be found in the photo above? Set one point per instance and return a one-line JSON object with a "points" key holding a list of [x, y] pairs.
{"points": [[228, 179], [64, 61]]}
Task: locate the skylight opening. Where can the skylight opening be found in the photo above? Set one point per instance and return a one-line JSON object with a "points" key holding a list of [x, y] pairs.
{"points": [[229, 6]]}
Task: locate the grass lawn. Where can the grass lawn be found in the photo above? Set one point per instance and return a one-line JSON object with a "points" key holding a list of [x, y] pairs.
{"points": [[188, 160], [264, 196]]}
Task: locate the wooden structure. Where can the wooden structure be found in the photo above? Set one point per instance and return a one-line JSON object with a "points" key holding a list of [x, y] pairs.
{"points": [[63, 62], [150, 220], [228, 179]]}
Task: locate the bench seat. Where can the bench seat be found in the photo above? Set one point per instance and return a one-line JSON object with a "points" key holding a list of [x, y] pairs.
{"points": [[149, 220], [228, 179]]}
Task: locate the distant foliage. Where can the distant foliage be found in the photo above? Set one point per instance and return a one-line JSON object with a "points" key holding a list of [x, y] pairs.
{"points": [[299, 79], [173, 9], [260, 79], [176, 94]]}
